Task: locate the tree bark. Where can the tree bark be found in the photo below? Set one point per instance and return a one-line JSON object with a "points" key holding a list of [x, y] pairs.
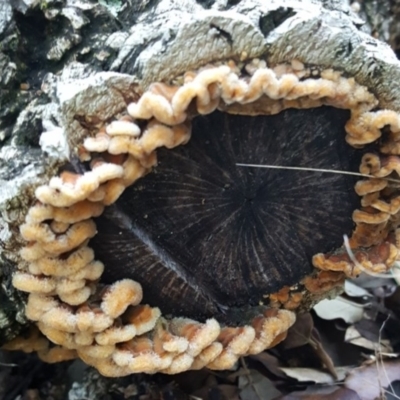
{"points": [[67, 61]]}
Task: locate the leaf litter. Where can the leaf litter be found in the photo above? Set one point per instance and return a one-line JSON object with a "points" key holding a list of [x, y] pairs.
{"points": [[344, 349]]}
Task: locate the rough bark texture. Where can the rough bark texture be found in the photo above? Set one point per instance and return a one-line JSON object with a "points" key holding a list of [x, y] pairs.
{"points": [[66, 60]]}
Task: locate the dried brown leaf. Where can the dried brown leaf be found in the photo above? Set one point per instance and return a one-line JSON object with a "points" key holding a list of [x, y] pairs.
{"points": [[299, 334], [255, 386], [369, 381], [270, 362], [330, 393], [339, 308], [314, 375], [354, 337], [315, 342], [219, 392], [354, 290]]}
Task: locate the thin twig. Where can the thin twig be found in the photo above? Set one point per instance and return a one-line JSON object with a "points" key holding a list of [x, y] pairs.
{"points": [[8, 365], [359, 265], [309, 169], [379, 358], [324, 356]]}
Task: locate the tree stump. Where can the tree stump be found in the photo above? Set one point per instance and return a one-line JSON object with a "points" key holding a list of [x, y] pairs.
{"points": [[66, 66]]}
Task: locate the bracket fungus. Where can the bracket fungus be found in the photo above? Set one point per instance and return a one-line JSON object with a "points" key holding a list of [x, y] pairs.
{"points": [[155, 252]]}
